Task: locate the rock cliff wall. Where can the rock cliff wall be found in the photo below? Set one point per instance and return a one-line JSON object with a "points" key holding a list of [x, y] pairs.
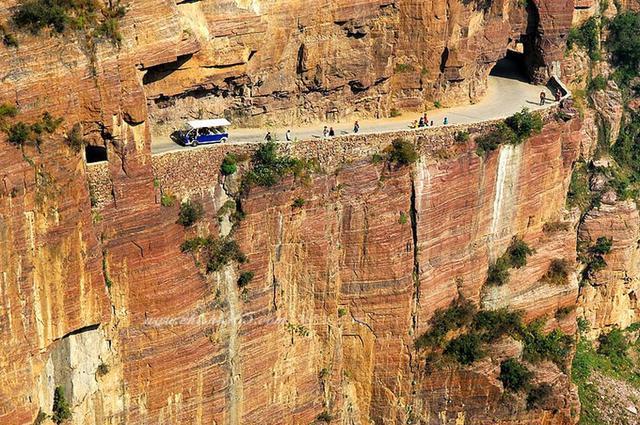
{"points": [[101, 301]]}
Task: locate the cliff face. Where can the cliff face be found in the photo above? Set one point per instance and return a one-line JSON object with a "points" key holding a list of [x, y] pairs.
{"points": [[102, 302]]}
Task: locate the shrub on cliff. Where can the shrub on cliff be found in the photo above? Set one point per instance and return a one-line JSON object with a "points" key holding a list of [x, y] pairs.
{"points": [[586, 36], [19, 133], [593, 256], [514, 375], [458, 315], [190, 213], [514, 257], [402, 152], [524, 124], [494, 324], [465, 349], [498, 273], [493, 139], [538, 346], [268, 167], [61, 410], [558, 272], [615, 346], [229, 165], [222, 252], [244, 279], [91, 16], [623, 41], [517, 253]]}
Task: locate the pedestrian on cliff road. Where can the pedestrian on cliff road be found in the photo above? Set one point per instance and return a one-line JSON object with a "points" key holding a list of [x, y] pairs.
{"points": [[325, 132], [543, 98], [268, 137], [287, 136], [445, 121], [331, 132], [356, 127], [421, 123], [426, 120]]}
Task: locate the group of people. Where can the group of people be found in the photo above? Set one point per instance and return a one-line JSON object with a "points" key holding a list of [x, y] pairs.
{"points": [[543, 96], [424, 122], [327, 132]]}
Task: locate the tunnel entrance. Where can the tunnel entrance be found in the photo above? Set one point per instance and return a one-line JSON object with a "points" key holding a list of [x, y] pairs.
{"points": [[95, 154], [512, 66]]}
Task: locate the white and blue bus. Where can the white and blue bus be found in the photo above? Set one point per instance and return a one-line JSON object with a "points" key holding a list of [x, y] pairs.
{"points": [[202, 132]]}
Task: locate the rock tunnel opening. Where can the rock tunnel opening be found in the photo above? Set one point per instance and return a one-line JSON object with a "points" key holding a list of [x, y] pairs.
{"points": [[512, 66], [95, 154]]}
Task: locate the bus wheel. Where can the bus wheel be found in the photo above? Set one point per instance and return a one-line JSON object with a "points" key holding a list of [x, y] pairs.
{"points": [[223, 140], [194, 143]]}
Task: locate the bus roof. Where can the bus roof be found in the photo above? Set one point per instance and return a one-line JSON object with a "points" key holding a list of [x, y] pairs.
{"points": [[220, 122]]}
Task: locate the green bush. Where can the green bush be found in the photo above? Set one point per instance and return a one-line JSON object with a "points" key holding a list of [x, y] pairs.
{"points": [[167, 200], [61, 409], [404, 67], [190, 213], [518, 252], [594, 257], [461, 136], [393, 113], [623, 41], [597, 83], [229, 165], [524, 124], [222, 252], [515, 256], [19, 133], [7, 110], [402, 152], [62, 15], [244, 279], [298, 203], [514, 375], [465, 349], [554, 346], [614, 345], [558, 272], [586, 36], [458, 315], [498, 273], [502, 134], [493, 324], [268, 167]]}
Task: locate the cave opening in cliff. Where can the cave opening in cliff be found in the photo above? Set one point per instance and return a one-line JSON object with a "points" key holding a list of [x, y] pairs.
{"points": [[512, 66], [95, 154]]}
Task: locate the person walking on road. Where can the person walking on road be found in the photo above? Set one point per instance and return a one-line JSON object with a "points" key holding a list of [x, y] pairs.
{"points": [[287, 136], [426, 120], [558, 95], [268, 137], [356, 127], [325, 132], [445, 121], [421, 122], [331, 132], [543, 98]]}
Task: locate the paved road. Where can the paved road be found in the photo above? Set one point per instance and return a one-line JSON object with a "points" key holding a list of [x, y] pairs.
{"points": [[508, 92]]}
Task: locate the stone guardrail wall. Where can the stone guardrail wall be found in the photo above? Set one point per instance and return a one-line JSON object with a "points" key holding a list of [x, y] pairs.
{"points": [[191, 171]]}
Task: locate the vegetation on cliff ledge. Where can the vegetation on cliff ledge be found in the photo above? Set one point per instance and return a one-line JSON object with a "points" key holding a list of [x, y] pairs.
{"points": [[89, 16], [268, 167], [514, 130], [616, 356], [462, 333], [514, 257]]}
